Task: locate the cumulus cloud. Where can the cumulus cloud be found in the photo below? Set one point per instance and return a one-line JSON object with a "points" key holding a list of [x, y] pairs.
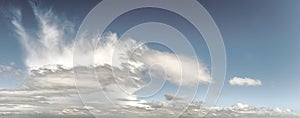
{"points": [[118, 64], [244, 110], [49, 58], [178, 69], [50, 87], [244, 82], [33, 104], [51, 46]]}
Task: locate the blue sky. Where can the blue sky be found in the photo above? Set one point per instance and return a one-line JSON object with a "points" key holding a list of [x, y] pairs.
{"points": [[261, 38]]}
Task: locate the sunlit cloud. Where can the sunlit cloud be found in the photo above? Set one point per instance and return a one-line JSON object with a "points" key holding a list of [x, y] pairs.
{"points": [[238, 81], [49, 58]]}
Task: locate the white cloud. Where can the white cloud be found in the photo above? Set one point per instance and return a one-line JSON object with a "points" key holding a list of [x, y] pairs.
{"points": [[50, 46], [50, 63], [26, 104], [244, 82], [178, 69], [50, 88]]}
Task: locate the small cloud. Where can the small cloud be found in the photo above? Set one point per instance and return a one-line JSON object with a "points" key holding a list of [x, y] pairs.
{"points": [[244, 82], [174, 97], [4, 68], [12, 63]]}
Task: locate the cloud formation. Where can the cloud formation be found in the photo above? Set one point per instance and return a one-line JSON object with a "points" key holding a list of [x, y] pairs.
{"points": [[50, 88], [45, 46], [238, 81], [51, 46], [178, 69], [118, 64]]}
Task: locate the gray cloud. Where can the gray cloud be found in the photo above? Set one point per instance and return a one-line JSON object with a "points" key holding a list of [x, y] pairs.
{"points": [[174, 97]]}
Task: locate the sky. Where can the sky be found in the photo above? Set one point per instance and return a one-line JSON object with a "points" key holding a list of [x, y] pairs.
{"points": [[261, 41]]}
